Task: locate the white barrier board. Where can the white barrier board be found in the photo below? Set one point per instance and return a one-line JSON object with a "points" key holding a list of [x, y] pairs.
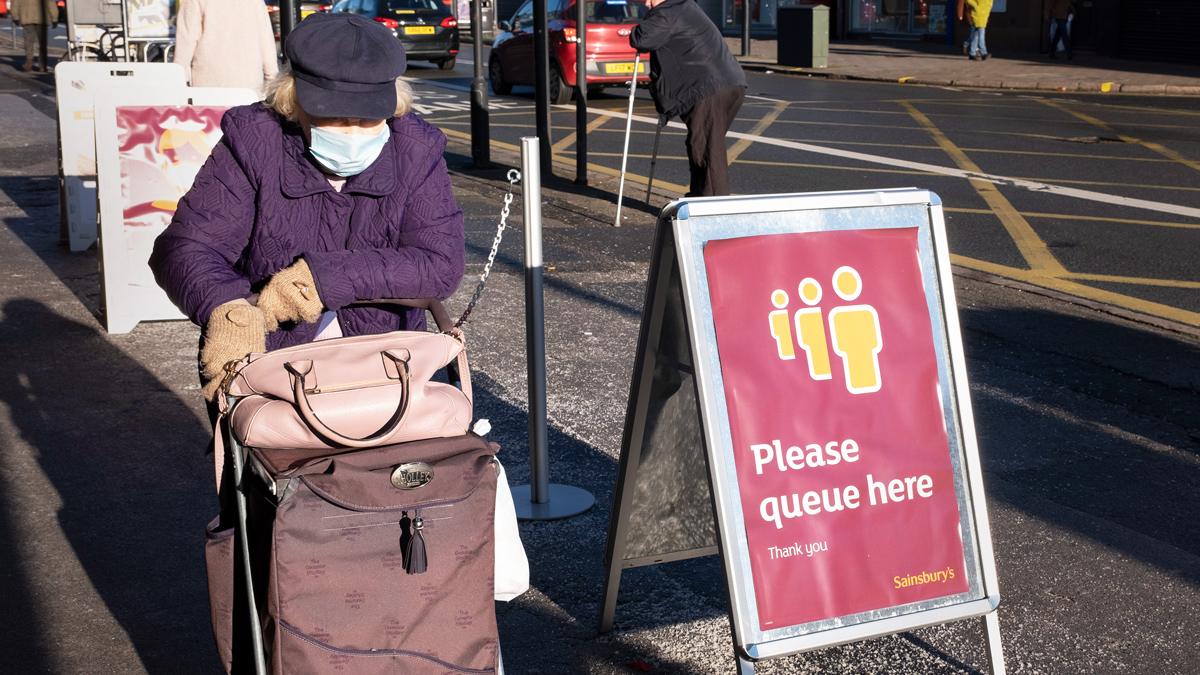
{"points": [[149, 146], [76, 84]]}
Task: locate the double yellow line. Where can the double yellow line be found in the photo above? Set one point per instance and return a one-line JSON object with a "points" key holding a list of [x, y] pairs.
{"points": [[1044, 269]]}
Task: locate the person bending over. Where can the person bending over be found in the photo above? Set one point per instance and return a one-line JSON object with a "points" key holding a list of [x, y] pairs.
{"points": [[695, 78]]}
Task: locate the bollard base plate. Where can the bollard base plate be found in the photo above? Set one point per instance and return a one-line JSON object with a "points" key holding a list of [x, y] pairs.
{"points": [[564, 501]]}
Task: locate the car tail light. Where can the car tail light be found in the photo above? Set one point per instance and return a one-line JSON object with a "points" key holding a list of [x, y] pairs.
{"points": [[453, 51], [390, 23], [570, 35], [323, 8], [449, 22]]}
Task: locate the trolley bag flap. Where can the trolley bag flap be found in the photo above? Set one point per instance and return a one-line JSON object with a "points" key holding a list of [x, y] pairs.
{"points": [[404, 476]]}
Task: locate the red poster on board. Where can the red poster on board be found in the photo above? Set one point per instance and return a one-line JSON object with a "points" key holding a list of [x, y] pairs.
{"points": [[839, 440], [162, 149]]}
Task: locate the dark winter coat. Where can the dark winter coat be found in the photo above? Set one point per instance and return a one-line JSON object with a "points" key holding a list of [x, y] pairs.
{"points": [[259, 203], [689, 59]]}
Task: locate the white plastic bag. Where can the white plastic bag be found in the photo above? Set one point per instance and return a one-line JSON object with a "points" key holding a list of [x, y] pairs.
{"points": [[512, 566]]}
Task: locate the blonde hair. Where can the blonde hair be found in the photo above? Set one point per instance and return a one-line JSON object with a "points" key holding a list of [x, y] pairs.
{"points": [[281, 96]]}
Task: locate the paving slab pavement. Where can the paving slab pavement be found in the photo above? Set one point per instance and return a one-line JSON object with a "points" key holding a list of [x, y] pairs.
{"points": [[928, 63]]}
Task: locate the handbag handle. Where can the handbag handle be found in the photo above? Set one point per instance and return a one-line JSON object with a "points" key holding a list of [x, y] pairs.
{"points": [[300, 370]]}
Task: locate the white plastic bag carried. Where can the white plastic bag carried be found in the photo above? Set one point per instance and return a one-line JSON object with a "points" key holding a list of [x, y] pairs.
{"points": [[512, 566]]}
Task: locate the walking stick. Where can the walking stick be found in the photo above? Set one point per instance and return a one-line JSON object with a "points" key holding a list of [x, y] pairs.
{"points": [[637, 61], [662, 122]]}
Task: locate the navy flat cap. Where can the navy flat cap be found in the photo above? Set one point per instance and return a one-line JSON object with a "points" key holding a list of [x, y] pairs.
{"points": [[345, 65]]}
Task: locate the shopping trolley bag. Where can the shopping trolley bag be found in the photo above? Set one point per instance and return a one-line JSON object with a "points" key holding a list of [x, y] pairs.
{"points": [[371, 561], [365, 512]]}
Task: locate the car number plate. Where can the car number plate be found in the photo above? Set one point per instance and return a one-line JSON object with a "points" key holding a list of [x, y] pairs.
{"points": [[419, 30], [623, 68]]}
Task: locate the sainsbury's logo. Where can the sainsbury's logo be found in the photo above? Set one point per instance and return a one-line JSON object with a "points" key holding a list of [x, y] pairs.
{"points": [[853, 332]]}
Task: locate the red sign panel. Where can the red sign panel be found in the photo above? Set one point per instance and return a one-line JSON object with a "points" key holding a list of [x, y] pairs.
{"points": [[161, 150], [839, 440]]}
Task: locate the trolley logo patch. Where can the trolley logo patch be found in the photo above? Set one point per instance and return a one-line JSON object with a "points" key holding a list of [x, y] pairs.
{"points": [[412, 475]]}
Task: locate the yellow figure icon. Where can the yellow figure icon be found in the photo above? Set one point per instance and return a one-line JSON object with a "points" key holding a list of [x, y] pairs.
{"points": [[856, 335], [781, 328], [810, 326]]}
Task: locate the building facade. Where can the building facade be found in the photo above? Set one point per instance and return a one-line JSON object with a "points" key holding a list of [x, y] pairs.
{"points": [[1155, 30], [1159, 30]]}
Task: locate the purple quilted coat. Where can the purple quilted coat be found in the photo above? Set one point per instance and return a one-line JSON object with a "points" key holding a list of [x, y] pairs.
{"points": [[259, 203]]}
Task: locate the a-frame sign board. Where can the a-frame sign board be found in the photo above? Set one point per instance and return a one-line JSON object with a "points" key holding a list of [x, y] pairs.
{"points": [[799, 406]]}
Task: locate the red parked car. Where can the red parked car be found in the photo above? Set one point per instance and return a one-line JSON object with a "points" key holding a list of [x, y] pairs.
{"points": [[610, 59]]}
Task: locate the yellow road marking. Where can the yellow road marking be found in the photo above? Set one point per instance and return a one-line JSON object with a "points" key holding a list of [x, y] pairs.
{"points": [[1081, 290], [1104, 183], [570, 138], [639, 155], [638, 178], [1149, 145], [904, 79], [762, 125], [1072, 216], [827, 141], [847, 124], [1136, 281], [592, 168], [667, 131], [1079, 155], [864, 169], [1171, 154], [1033, 276], [1031, 246], [1138, 108]]}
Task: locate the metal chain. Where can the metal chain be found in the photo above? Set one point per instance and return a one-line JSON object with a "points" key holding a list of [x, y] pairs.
{"points": [[514, 177]]}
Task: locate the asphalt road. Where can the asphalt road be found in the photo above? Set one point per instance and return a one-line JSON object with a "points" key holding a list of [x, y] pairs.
{"points": [[1109, 210]]}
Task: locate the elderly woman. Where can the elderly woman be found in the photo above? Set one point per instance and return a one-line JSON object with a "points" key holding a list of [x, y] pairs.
{"points": [[329, 193]]}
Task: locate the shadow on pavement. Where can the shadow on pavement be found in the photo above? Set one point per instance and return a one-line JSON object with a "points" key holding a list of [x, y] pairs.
{"points": [[566, 560], [1072, 414], [127, 459], [38, 197]]}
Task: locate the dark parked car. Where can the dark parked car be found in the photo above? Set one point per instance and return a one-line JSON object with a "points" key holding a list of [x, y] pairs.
{"points": [[426, 28], [610, 59]]}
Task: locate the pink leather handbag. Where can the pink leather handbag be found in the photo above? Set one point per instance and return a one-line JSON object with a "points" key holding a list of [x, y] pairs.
{"points": [[354, 392]]}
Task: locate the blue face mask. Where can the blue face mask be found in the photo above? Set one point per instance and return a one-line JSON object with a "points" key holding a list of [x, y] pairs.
{"points": [[346, 154]]}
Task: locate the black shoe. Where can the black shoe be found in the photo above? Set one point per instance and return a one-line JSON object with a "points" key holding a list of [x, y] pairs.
{"points": [[985, 57]]}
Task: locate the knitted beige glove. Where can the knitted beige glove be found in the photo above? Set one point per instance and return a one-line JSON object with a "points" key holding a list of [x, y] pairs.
{"points": [[234, 329], [290, 295]]}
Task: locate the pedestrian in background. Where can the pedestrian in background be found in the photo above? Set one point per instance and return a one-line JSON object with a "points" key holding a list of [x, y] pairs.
{"points": [[976, 13], [1059, 13], [226, 43], [694, 77], [35, 17]]}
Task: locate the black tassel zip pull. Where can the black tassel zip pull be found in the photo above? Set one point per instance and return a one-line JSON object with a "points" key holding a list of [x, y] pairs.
{"points": [[415, 559]]}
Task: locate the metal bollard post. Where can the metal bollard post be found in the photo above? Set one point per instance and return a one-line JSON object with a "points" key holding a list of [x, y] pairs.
{"points": [[481, 143], [581, 116], [541, 499]]}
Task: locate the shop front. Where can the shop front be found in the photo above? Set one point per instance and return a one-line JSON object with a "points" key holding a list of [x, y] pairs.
{"points": [[902, 18], [763, 14]]}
